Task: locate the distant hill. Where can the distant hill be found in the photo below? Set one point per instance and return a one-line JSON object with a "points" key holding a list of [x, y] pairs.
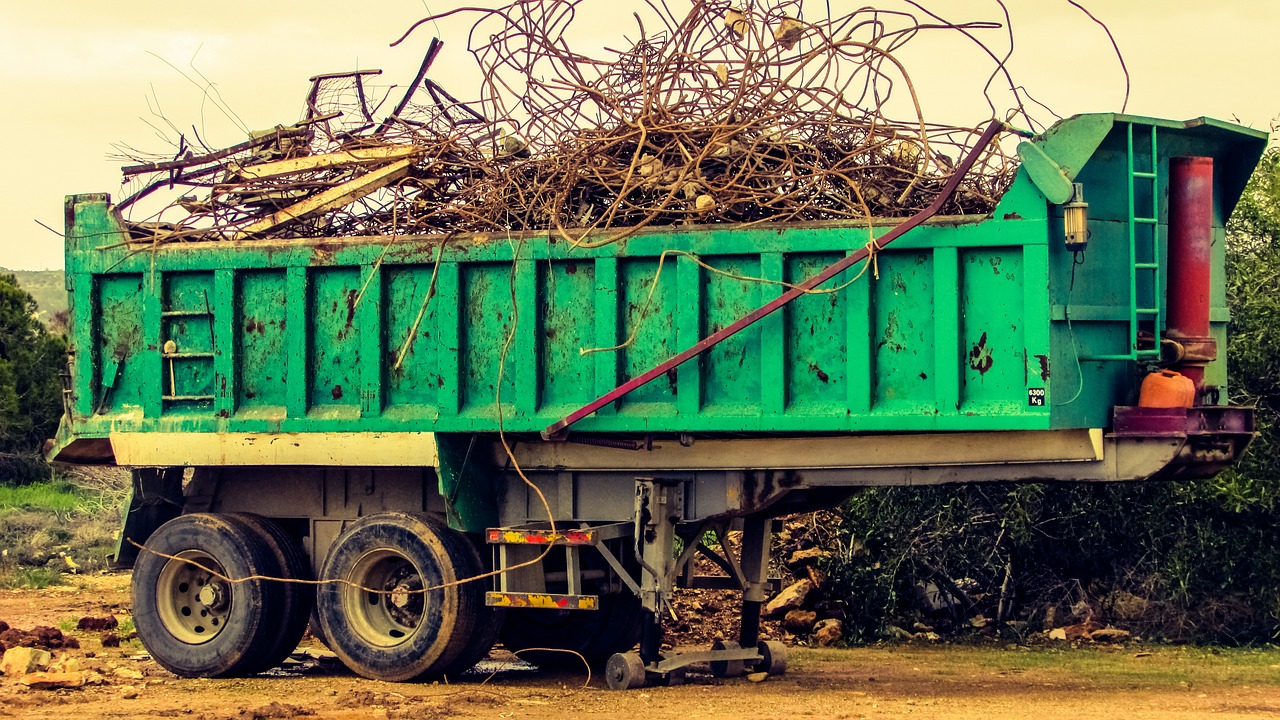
{"points": [[46, 286]]}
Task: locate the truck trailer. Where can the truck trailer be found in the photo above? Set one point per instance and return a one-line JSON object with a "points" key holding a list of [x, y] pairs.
{"points": [[423, 444]]}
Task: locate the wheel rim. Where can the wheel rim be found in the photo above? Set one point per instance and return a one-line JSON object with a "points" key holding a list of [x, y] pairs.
{"points": [[386, 599], [192, 602]]}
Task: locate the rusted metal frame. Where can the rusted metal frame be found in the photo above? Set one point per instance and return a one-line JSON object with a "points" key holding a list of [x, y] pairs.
{"points": [[558, 429], [433, 49], [437, 91]]}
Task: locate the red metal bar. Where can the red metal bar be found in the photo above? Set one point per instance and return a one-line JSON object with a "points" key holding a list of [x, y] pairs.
{"points": [[558, 428], [1190, 250]]}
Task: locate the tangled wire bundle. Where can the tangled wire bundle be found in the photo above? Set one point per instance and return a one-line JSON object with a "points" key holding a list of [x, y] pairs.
{"points": [[725, 115]]}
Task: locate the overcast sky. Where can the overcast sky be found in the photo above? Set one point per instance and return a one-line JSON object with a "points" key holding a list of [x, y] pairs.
{"points": [[78, 76]]}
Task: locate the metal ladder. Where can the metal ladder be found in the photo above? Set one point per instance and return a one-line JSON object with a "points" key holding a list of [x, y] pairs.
{"points": [[171, 351], [1145, 302], [1144, 235]]}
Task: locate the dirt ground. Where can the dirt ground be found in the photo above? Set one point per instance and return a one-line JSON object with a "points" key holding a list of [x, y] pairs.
{"points": [[937, 681]]}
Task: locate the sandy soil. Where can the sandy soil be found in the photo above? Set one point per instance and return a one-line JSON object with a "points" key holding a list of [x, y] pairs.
{"points": [[895, 681]]}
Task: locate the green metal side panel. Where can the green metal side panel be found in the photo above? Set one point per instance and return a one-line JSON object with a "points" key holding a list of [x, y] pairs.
{"points": [[960, 325]]}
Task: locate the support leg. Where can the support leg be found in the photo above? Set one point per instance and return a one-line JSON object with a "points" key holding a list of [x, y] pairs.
{"points": [[756, 536], [659, 506]]}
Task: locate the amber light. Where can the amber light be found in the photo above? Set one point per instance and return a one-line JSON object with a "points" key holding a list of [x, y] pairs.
{"points": [[1075, 220]]}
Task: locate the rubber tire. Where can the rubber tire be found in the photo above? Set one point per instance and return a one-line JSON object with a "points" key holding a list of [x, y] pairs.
{"points": [[488, 620], [314, 627], [595, 634], [450, 613], [251, 628], [299, 598]]}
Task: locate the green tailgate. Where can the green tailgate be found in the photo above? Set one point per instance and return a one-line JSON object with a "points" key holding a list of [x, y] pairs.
{"points": [[960, 326]]}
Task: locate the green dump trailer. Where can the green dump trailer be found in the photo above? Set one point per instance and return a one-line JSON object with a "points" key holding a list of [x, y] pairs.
{"points": [[395, 415]]}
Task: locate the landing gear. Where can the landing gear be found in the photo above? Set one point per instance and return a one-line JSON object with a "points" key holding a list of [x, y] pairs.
{"points": [[400, 610], [659, 507], [192, 615]]}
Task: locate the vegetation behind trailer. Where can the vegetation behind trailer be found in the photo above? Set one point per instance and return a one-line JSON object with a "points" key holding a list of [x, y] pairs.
{"points": [[369, 410]]}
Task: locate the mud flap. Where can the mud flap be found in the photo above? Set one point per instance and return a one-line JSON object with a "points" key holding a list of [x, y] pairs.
{"points": [[154, 499]]}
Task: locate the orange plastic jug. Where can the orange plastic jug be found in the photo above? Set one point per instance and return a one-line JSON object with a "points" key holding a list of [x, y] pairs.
{"points": [[1166, 389]]}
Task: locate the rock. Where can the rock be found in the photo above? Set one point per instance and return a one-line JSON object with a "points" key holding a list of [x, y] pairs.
{"points": [[21, 661], [97, 624], [1081, 631], [816, 576], [129, 692], [110, 639], [799, 622], [1110, 635], [828, 632], [127, 673], [807, 557], [979, 621], [893, 632], [758, 677], [50, 680], [1058, 634], [790, 598], [66, 665]]}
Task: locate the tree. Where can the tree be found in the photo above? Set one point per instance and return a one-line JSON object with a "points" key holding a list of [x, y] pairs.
{"points": [[31, 360]]}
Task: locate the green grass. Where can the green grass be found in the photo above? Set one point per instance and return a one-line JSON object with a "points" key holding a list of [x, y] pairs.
{"points": [[29, 578], [1147, 666], [61, 498]]}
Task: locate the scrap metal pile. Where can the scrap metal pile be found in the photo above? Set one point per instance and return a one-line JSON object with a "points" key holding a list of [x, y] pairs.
{"points": [[724, 114]]}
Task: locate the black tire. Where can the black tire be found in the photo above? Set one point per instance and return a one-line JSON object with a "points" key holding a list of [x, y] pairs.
{"points": [[488, 620], [298, 598], [595, 634], [410, 627], [314, 627], [195, 624]]}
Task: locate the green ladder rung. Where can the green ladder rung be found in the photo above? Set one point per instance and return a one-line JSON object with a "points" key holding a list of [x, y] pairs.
{"points": [[1140, 174], [1147, 266], [1146, 221]]}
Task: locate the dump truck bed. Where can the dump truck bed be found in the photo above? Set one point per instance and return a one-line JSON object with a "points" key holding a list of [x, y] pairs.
{"points": [[964, 324]]}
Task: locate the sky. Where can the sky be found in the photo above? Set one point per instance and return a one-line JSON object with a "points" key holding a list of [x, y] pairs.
{"points": [[79, 78]]}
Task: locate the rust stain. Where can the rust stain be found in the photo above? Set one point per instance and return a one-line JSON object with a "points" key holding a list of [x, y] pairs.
{"points": [[1044, 367], [336, 392], [1012, 216], [571, 268], [818, 371], [980, 358]]}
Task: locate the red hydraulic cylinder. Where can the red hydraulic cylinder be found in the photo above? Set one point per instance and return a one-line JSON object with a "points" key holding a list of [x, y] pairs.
{"points": [[1190, 249]]}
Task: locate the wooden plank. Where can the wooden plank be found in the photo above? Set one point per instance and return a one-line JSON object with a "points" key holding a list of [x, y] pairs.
{"points": [[331, 199], [353, 156]]}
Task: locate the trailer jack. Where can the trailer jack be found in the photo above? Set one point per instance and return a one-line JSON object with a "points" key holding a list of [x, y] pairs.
{"points": [[659, 507]]}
